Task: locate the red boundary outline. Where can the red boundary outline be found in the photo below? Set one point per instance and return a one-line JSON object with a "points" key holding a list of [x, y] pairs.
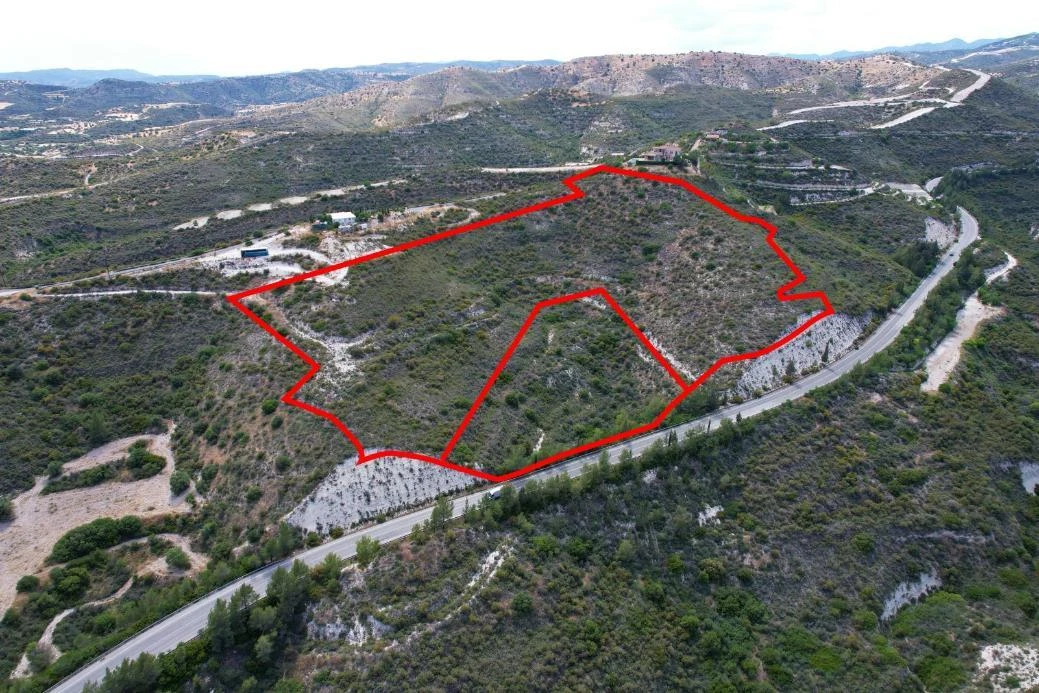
{"points": [[783, 294], [599, 291]]}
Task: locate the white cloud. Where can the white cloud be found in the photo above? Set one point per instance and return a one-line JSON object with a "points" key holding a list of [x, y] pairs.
{"points": [[210, 36]]}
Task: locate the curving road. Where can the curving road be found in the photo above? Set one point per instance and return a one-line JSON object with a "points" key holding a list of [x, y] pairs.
{"points": [[186, 623]]}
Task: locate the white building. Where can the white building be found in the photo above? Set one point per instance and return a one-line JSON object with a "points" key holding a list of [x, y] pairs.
{"points": [[344, 220]]}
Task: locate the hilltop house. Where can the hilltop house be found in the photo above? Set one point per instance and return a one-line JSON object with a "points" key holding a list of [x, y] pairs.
{"points": [[343, 220], [664, 154]]}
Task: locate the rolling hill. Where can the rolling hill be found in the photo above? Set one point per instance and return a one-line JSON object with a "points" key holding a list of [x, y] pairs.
{"points": [[386, 104]]}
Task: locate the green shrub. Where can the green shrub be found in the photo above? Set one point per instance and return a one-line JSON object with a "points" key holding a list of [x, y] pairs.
{"points": [[863, 543], [941, 673], [545, 545], [87, 477], [712, 570], [179, 482], [157, 546], [1013, 577], [919, 257], [102, 533], [28, 583], [864, 619], [736, 603], [826, 660], [177, 559], [940, 611], [141, 674], [39, 657], [522, 604], [367, 550], [143, 464]]}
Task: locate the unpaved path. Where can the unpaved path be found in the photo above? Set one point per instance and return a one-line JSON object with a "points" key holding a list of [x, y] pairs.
{"points": [[143, 270], [41, 520], [126, 292], [539, 169], [230, 258], [87, 185], [46, 641], [38, 196], [191, 224], [784, 124], [335, 246], [911, 190], [160, 568], [290, 201], [1003, 270], [912, 115], [280, 259], [982, 80], [943, 360], [879, 101], [1000, 51], [953, 101]]}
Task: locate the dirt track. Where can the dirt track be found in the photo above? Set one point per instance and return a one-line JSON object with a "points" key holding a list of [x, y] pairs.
{"points": [[946, 355], [41, 520]]}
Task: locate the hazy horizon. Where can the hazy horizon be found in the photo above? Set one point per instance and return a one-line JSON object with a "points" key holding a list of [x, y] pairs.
{"points": [[214, 39], [132, 68]]}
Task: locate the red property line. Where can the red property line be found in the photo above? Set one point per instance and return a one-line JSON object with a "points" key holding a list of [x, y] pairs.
{"points": [[601, 292], [782, 294]]}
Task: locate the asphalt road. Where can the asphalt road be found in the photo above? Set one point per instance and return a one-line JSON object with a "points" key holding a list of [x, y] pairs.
{"points": [[186, 623]]}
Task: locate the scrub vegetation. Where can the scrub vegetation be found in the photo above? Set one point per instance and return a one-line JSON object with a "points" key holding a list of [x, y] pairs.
{"points": [[758, 556]]}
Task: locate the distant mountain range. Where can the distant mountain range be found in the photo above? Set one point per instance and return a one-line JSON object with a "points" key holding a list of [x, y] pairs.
{"points": [[393, 94], [329, 80], [69, 78], [453, 92], [219, 96], [951, 45], [414, 69], [1014, 59]]}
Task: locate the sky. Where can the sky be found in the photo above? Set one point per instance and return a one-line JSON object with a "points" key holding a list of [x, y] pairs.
{"points": [[235, 38]]}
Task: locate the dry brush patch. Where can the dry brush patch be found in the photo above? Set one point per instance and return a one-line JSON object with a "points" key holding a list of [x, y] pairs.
{"points": [[40, 520]]}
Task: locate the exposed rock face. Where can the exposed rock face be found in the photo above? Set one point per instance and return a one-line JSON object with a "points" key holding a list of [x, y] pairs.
{"points": [[352, 493], [909, 592], [1008, 667], [831, 338]]}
